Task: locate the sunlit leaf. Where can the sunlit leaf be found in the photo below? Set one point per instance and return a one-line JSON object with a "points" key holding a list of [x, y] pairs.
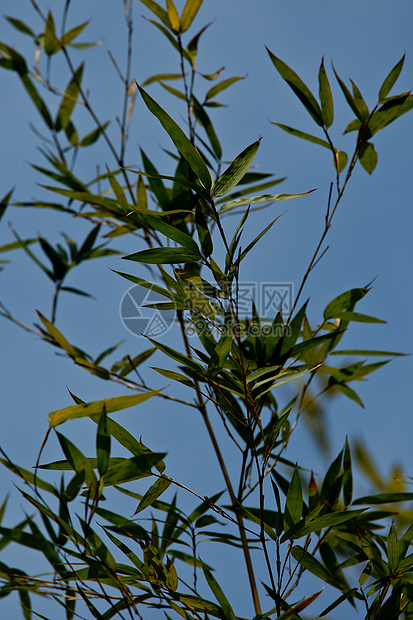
{"points": [[88, 409], [189, 12], [265, 198], [236, 170]]}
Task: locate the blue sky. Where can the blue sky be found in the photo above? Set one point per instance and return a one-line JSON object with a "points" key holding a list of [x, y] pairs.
{"points": [[371, 235]]}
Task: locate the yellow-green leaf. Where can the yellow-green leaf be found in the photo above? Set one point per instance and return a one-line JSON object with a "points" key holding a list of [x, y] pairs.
{"points": [[88, 409]]}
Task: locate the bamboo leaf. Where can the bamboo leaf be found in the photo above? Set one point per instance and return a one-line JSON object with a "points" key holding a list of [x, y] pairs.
{"points": [[164, 256], [153, 493], [57, 336], [368, 156], [305, 136], [132, 469], [218, 593], [236, 170], [221, 352], [88, 409], [189, 12], [103, 443], [294, 501], [345, 301], [252, 200], [182, 143], [315, 567], [69, 100], [299, 88], [218, 88], [326, 98], [384, 498], [392, 548], [173, 16], [172, 232], [158, 11], [349, 98], [391, 79]]}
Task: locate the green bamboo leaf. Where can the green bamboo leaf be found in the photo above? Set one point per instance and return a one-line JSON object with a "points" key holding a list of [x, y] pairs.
{"points": [[366, 352], [37, 100], [172, 232], [182, 143], [206, 123], [384, 498], [326, 98], [368, 156], [71, 35], [221, 352], [158, 11], [218, 593], [349, 98], [305, 136], [340, 160], [357, 317], [361, 104], [94, 135], [345, 301], [179, 357], [29, 477], [132, 469], [265, 198], [294, 501], [103, 443], [152, 494], [89, 409], [20, 26], [174, 91], [218, 88], [391, 79], [355, 125], [79, 463], [164, 256], [392, 548], [353, 593], [69, 100], [189, 12], [175, 376], [389, 112], [203, 232], [299, 88], [320, 523], [3, 206], [57, 335], [348, 476], [173, 16], [236, 170], [159, 77], [315, 567], [51, 45]]}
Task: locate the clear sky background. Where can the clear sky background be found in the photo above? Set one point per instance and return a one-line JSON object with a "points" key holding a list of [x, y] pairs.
{"points": [[371, 235]]}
